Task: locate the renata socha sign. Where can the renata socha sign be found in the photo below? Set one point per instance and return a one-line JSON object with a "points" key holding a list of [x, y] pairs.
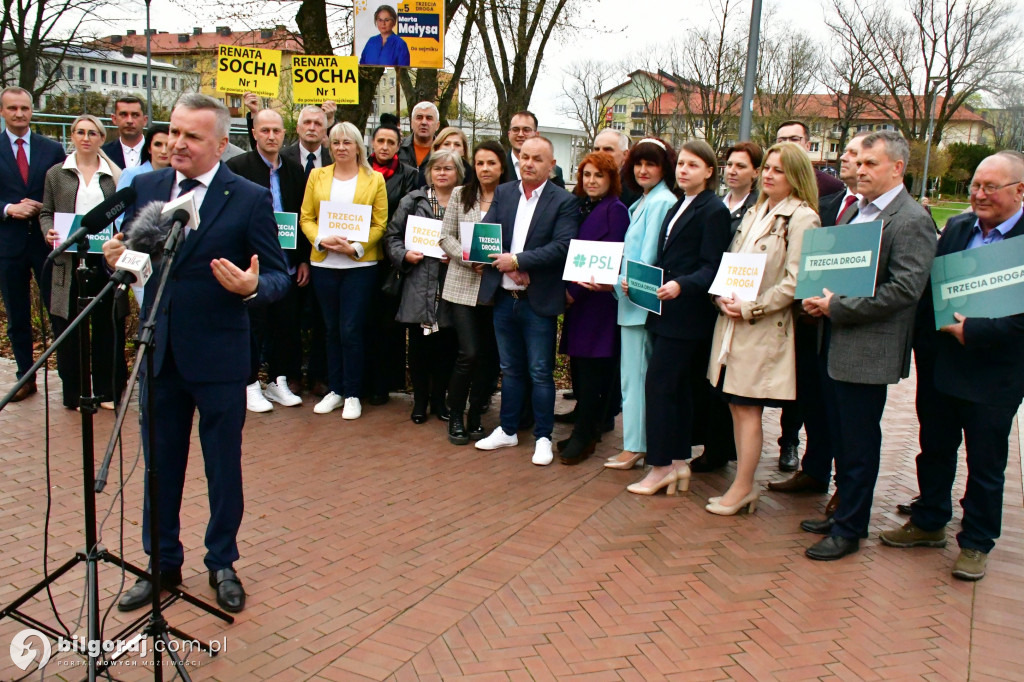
{"points": [[248, 69], [842, 259], [318, 78], [984, 282]]}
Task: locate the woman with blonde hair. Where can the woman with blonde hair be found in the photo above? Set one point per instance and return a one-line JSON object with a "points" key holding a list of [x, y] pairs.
{"points": [[753, 358], [344, 272], [83, 181], [453, 138]]}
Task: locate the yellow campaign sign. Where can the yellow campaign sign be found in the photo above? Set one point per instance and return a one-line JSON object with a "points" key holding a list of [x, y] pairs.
{"points": [[318, 78], [420, 25], [248, 69]]}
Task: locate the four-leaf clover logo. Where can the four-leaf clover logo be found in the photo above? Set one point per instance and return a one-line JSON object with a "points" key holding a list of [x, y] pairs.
{"points": [[579, 260]]}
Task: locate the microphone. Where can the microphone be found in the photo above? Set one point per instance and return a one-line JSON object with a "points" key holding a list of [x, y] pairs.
{"points": [[98, 218], [147, 236]]}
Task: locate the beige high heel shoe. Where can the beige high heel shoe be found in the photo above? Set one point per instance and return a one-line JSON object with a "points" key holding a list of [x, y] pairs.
{"points": [[613, 463], [715, 506], [683, 474], [669, 482]]}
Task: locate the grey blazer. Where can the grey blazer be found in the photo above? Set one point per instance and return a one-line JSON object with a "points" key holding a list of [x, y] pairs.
{"points": [[871, 337]]}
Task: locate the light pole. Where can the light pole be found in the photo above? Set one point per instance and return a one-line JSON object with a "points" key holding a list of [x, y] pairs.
{"points": [[149, 67], [931, 131], [747, 106]]}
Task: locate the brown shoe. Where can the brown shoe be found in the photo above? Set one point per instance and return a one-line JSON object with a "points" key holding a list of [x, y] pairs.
{"points": [[24, 392], [799, 483], [833, 504]]}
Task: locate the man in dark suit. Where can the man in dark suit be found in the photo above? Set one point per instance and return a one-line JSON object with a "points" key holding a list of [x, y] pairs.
{"points": [[970, 381], [415, 149], [131, 120], [522, 127], [537, 221], [311, 151], [24, 159], [277, 323], [201, 346], [868, 339]]}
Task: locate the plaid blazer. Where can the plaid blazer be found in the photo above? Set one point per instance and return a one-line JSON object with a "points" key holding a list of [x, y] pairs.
{"points": [[461, 285]]}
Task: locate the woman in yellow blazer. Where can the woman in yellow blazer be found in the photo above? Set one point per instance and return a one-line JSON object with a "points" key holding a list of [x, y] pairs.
{"points": [[344, 273], [753, 359]]}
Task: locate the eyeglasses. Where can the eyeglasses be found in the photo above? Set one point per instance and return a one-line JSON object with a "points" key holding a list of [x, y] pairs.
{"points": [[991, 189], [86, 133], [518, 131], [791, 138]]}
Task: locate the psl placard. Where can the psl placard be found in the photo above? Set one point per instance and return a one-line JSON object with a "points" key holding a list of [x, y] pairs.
{"points": [[318, 78], [588, 260], [248, 69]]}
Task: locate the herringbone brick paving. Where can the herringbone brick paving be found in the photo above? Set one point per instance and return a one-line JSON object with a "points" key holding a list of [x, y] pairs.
{"points": [[375, 550]]}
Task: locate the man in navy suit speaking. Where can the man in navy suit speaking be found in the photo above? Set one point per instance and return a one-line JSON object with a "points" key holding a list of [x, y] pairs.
{"points": [[201, 349]]}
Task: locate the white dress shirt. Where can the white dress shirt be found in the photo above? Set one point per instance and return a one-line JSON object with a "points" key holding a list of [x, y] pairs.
{"points": [[132, 155], [870, 210], [524, 216], [90, 194]]}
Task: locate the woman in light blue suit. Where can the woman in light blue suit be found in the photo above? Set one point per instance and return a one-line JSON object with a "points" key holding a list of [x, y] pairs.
{"points": [[650, 168]]}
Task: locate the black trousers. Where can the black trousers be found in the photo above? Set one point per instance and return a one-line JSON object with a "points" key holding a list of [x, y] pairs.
{"points": [[431, 358], [858, 455], [945, 422], [476, 365], [275, 329], [312, 323], [385, 342], [815, 391], [595, 386], [671, 373]]}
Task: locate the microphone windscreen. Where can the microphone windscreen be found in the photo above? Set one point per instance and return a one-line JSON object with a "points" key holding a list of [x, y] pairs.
{"points": [[148, 231]]}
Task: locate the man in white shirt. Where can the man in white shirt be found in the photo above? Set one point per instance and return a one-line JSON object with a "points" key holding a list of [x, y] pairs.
{"points": [[131, 120]]}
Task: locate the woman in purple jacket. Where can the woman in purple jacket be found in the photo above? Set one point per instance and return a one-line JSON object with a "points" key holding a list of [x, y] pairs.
{"points": [[590, 331]]}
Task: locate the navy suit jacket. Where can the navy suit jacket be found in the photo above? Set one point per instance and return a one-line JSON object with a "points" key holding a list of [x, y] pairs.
{"points": [[115, 151], [44, 154], [510, 173], [691, 257], [989, 367], [205, 325], [554, 225]]}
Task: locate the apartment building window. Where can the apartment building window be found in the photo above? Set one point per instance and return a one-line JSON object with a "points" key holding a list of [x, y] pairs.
{"points": [[71, 72], [619, 109], [833, 148], [163, 82], [103, 75], [174, 84], [236, 101], [124, 78], [815, 146], [617, 125], [135, 80], [81, 73]]}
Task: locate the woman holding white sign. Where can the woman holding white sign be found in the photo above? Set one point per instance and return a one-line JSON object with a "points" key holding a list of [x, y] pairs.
{"points": [[754, 339], [476, 366], [85, 179], [344, 272]]}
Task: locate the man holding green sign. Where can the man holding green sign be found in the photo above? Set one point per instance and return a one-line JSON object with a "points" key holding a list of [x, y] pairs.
{"points": [[970, 378]]}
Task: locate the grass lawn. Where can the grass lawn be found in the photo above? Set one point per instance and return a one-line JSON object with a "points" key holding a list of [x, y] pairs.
{"points": [[943, 211]]}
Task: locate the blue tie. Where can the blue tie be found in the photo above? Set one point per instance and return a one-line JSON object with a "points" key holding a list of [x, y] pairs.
{"points": [[187, 185], [310, 163]]}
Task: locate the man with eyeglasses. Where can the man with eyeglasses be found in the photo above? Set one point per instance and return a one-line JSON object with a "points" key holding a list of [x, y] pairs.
{"points": [[521, 128], [24, 159], [970, 382]]}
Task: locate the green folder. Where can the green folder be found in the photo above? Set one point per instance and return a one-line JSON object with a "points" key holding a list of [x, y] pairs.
{"points": [[842, 259], [486, 240], [644, 281], [984, 282], [287, 229]]}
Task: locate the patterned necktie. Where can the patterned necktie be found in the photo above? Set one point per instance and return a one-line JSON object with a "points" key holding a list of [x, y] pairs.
{"points": [[310, 163], [849, 200], [22, 159]]}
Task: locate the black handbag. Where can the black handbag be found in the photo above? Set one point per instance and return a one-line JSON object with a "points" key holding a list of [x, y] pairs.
{"points": [[392, 285]]}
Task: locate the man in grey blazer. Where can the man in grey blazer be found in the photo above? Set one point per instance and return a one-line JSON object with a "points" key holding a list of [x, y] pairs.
{"points": [[868, 339]]}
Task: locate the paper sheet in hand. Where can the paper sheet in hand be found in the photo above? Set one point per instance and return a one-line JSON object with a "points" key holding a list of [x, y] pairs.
{"points": [[739, 274], [984, 282], [287, 229], [424, 235], [66, 223], [186, 201], [644, 281], [480, 240], [842, 259], [589, 259], [338, 219]]}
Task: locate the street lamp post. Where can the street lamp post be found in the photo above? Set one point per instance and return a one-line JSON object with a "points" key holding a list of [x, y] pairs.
{"points": [[747, 107], [149, 66], [936, 80]]}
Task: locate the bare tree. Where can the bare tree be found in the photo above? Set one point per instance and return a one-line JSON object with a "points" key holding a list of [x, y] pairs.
{"points": [[652, 85], [848, 82], [588, 94], [1007, 116], [787, 61]]}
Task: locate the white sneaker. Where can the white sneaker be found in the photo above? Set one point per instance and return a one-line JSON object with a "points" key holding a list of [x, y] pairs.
{"points": [[280, 393], [542, 455], [254, 400], [497, 439], [353, 409], [329, 403]]}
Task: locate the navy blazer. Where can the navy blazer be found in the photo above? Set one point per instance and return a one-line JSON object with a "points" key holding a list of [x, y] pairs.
{"points": [[989, 367], [44, 154], [510, 173], [554, 225], [115, 151], [690, 257], [206, 325]]}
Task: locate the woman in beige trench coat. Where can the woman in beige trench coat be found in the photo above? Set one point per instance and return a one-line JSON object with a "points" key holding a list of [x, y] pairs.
{"points": [[753, 359]]}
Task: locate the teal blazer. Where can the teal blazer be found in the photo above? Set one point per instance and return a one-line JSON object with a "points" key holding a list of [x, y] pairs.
{"points": [[645, 218]]}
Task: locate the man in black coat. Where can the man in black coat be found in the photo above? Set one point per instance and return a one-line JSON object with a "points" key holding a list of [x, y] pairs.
{"points": [[131, 120], [24, 159], [277, 323], [415, 149], [522, 127], [970, 382]]}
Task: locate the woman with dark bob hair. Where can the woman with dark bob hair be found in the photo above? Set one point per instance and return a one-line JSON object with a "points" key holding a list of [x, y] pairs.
{"points": [[648, 169], [589, 331]]}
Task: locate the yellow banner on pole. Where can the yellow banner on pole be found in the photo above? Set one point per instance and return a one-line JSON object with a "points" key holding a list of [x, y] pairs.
{"points": [[421, 26], [318, 78], [248, 69]]}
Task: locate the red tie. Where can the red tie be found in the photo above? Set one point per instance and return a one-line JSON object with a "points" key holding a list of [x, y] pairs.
{"points": [[22, 159], [849, 200]]}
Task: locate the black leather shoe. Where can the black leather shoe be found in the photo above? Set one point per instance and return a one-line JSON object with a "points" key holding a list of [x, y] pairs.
{"points": [[230, 593], [704, 464], [798, 483], [576, 451], [831, 548], [818, 526], [904, 509], [474, 429], [562, 444], [457, 431], [141, 593], [608, 426], [789, 458], [378, 399], [419, 412], [566, 417]]}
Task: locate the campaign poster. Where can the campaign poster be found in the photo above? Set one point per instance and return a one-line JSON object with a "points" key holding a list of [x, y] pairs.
{"points": [[318, 78], [984, 282], [400, 34], [248, 69], [424, 235], [66, 223], [842, 259], [339, 219]]}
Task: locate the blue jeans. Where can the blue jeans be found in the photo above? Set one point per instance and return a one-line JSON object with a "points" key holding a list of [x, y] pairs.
{"points": [[526, 348], [344, 297]]}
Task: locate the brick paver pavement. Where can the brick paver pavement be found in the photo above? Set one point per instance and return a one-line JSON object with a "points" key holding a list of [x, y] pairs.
{"points": [[374, 549]]}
